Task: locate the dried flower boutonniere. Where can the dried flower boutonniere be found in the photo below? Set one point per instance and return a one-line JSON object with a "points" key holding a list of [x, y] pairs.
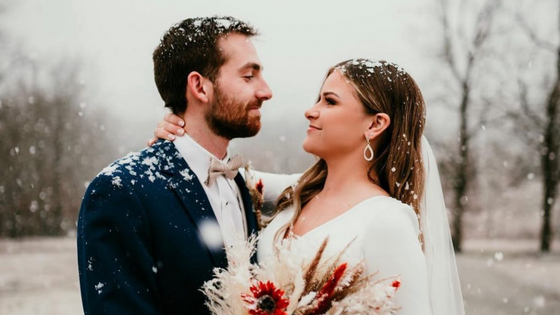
{"points": [[256, 190]]}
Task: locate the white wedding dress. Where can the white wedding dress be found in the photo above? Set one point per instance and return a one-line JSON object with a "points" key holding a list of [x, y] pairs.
{"points": [[383, 233]]}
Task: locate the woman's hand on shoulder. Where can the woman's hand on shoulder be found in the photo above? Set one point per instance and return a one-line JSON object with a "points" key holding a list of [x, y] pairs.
{"points": [[170, 127]]}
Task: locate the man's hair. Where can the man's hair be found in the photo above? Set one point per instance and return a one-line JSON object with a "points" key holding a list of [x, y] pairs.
{"points": [[192, 45]]}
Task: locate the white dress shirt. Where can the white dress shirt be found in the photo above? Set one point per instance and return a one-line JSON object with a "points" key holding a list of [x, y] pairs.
{"points": [[223, 194]]}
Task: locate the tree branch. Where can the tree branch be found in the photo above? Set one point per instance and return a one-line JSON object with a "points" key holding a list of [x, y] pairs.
{"points": [[448, 42], [533, 36], [524, 102]]}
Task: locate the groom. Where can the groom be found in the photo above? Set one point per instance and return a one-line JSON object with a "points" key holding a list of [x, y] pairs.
{"points": [[154, 224]]}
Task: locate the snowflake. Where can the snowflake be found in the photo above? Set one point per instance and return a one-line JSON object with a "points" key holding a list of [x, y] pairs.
{"points": [[150, 161], [109, 170], [98, 287], [90, 264], [117, 181], [223, 23], [186, 174]]}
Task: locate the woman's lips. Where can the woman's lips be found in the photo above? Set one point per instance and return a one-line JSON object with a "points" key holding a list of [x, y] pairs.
{"points": [[313, 128]]}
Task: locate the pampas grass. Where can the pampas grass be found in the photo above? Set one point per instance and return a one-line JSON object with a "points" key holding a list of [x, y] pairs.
{"points": [[313, 284]]}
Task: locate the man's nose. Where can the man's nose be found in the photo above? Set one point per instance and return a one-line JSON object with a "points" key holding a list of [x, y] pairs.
{"points": [[264, 93]]}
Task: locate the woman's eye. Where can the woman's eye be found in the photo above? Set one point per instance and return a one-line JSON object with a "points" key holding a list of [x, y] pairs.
{"points": [[330, 101]]}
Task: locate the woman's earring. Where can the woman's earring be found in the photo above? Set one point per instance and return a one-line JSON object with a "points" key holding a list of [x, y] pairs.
{"points": [[368, 151]]}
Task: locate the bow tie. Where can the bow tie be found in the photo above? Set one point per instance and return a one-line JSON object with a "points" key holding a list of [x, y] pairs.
{"points": [[218, 168]]}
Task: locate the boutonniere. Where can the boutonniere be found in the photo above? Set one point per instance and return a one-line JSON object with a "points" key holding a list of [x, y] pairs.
{"points": [[256, 190]]}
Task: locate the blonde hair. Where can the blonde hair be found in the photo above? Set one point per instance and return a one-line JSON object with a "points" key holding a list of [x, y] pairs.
{"points": [[381, 87]]}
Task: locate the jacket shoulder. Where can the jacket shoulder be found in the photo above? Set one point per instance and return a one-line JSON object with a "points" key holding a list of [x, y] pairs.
{"points": [[143, 166]]}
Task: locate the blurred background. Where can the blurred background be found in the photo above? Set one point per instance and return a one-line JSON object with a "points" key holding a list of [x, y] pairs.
{"points": [[77, 92]]}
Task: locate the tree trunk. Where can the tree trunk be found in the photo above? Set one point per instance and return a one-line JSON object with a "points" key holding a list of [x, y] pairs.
{"points": [[59, 119], [462, 179], [550, 158]]}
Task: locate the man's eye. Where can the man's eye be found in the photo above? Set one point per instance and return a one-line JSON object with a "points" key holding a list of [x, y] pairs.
{"points": [[248, 77]]}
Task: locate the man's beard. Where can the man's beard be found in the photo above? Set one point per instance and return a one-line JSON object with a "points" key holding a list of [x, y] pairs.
{"points": [[229, 119]]}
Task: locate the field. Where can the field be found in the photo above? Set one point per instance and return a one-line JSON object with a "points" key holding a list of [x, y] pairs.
{"points": [[40, 277]]}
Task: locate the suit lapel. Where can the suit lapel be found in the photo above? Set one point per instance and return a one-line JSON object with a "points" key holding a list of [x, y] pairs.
{"points": [[186, 185], [251, 218], [248, 205]]}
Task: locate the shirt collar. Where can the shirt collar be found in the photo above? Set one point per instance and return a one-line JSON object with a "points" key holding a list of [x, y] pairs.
{"points": [[196, 156]]}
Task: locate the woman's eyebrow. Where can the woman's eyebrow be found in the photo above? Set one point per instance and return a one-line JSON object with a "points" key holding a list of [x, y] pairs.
{"points": [[330, 93]]}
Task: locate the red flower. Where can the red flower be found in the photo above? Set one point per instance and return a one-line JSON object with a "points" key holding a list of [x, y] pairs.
{"points": [[396, 284], [266, 300], [259, 186], [325, 294]]}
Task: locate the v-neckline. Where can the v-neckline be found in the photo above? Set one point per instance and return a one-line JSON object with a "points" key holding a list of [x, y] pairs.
{"points": [[296, 236]]}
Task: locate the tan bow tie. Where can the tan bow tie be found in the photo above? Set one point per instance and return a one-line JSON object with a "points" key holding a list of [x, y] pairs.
{"points": [[218, 168]]}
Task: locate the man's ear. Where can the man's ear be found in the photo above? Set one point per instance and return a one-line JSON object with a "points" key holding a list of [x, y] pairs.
{"points": [[198, 87], [377, 124]]}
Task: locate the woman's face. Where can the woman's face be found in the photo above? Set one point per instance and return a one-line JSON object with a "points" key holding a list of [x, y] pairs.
{"points": [[338, 122]]}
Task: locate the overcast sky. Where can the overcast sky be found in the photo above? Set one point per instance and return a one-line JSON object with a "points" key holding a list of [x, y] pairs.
{"points": [[300, 40]]}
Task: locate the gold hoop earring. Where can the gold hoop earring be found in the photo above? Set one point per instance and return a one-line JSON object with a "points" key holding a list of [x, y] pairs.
{"points": [[369, 150]]}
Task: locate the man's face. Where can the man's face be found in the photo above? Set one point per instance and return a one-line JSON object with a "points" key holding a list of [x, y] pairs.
{"points": [[239, 90]]}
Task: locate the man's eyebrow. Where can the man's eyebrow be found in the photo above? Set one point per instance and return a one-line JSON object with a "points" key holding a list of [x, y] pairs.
{"points": [[253, 65]]}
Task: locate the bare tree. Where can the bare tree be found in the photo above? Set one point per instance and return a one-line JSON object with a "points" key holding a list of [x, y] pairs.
{"points": [[3, 40], [547, 124], [462, 52], [52, 144]]}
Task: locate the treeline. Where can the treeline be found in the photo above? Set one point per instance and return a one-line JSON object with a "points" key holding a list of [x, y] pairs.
{"points": [[52, 142]]}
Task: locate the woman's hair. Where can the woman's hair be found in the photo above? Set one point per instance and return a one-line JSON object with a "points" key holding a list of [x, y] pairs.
{"points": [[381, 87]]}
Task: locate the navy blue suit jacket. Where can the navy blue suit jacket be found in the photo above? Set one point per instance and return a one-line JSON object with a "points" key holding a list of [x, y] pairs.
{"points": [[139, 246]]}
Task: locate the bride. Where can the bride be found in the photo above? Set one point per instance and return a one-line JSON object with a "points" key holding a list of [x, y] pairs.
{"points": [[375, 186]]}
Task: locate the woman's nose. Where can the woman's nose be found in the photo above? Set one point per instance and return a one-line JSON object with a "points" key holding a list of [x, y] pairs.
{"points": [[311, 113]]}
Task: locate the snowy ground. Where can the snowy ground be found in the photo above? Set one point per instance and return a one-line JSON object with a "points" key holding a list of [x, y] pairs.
{"points": [[510, 277], [39, 276]]}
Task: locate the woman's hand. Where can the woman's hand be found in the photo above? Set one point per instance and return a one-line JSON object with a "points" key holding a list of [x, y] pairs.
{"points": [[171, 126]]}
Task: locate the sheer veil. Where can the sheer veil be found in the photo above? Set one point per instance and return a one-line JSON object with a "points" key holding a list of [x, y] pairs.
{"points": [[443, 279]]}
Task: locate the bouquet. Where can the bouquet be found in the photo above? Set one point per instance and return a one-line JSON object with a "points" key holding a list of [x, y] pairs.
{"points": [[294, 282]]}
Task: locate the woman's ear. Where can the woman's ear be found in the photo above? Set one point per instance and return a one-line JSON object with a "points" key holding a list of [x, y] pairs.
{"points": [[377, 124], [198, 87]]}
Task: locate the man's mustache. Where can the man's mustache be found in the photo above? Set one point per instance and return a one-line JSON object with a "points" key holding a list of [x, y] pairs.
{"points": [[254, 105]]}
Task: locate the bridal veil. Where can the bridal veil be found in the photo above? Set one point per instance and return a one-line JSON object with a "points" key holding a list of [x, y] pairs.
{"points": [[443, 278]]}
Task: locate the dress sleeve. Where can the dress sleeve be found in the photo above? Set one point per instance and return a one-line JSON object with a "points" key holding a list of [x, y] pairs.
{"points": [[391, 248], [274, 184]]}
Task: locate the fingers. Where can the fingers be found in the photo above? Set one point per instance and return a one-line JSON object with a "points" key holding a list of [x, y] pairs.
{"points": [[167, 129], [172, 128], [174, 119], [161, 133]]}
